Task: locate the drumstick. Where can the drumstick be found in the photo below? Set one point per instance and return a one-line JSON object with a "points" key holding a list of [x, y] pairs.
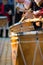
{"points": [[34, 20], [24, 16]]}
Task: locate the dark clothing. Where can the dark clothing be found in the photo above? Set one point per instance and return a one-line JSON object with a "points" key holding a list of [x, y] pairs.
{"points": [[7, 8], [18, 16], [1, 33], [10, 21], [34, 7], [37, 27]]}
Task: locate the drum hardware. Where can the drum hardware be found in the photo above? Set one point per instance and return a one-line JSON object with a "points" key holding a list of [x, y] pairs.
{"points": [[37, 46], [34, 58], [22, 53], [21, 26], [20, 33], [30, 32], [36, 35]]}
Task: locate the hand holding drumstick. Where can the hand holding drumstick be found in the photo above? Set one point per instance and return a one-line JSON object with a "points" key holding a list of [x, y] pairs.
{"points": [[24, 15]]}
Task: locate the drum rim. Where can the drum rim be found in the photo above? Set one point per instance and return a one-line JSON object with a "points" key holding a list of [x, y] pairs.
{"points": [[20, 23], [26, 33]]}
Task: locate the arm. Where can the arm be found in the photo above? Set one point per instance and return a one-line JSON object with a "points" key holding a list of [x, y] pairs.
{"points": [[37, 14]]}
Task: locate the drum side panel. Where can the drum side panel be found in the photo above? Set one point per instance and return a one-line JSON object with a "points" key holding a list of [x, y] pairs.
{"points": [[27, 38], [31, 50], [40, 37], [41, 46], [3, 22], [19, 60], [39, 55], [28, 51]]}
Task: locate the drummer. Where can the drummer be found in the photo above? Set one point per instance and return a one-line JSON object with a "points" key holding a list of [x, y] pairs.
{"points": [[19, 10], [21, 7], [35, 9], [37, 6]]}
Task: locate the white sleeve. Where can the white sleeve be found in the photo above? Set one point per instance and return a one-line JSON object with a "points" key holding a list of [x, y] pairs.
{"points": [[35, 12], [17, 5]]}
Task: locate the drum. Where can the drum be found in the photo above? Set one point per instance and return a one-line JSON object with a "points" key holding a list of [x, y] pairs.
{"points": [[14, 46], [22, 27], [3, 21], [27, 48]]}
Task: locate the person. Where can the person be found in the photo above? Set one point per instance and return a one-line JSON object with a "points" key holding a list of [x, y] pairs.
{"points": [[21, 8], [10, 16], [8, 13], [27, 4], [36, 6], [1, 9], [19, 11]]}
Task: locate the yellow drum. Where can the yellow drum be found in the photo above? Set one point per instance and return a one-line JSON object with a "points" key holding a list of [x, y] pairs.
{"points": [[14, 46], [27, 48]]}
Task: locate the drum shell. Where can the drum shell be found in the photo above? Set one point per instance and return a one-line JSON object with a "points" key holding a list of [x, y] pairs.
{"points": [[3, 21], [28, 42], [14, 46]]}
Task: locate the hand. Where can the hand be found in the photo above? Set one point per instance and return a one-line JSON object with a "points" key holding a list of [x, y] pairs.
{"points": [[9, 12], [40, 17]]}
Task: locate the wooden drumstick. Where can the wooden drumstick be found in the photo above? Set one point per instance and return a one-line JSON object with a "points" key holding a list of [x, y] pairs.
{"points": [[24, 15], [34, 20]]}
